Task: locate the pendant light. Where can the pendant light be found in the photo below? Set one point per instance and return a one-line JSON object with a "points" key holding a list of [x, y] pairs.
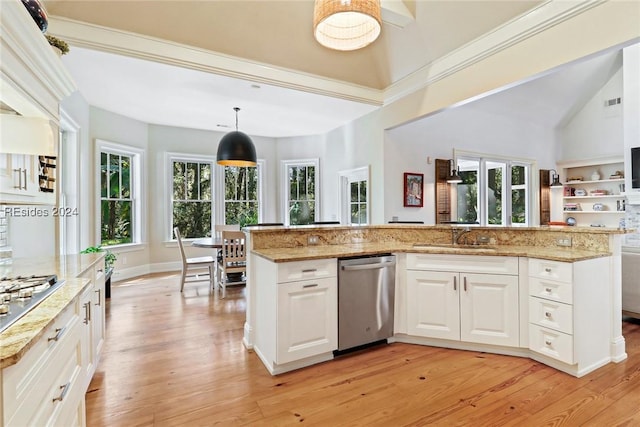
{"points": [[454, 176], [346, 24], [556, 179], [236, 148]]}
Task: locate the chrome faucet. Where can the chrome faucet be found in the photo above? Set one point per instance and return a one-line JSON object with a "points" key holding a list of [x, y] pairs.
{"points": [[457, 233]]}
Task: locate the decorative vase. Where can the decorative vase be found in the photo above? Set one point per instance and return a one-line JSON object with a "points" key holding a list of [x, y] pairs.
{"points": [[595, 176]]}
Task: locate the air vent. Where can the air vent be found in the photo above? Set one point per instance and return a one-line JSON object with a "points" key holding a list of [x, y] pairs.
{"points": [[611, 102]]}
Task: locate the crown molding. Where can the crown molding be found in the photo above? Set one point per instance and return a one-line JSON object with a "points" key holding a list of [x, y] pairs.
{"points": [[134, 45]]}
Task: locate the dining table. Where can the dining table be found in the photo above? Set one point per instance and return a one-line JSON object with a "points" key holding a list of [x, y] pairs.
{"points": [[208, 242]]}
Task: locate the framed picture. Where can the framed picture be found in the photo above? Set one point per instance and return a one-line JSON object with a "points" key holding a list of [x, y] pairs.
{"points": [[413, 189]]}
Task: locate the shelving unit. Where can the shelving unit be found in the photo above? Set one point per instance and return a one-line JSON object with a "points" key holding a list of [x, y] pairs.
{"points": [[594, 202]]}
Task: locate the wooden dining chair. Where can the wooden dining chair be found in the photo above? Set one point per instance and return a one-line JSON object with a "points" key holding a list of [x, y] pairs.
{"points": [[196, 265], [232, 269]]}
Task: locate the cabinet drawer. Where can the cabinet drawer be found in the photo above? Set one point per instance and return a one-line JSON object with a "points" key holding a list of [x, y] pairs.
{"points": [[554, 270], [304, 270], [557, 345], [551, 314], [463, 263], [551, 290]]}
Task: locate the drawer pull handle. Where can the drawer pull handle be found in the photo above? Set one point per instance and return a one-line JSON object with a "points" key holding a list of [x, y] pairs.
{"points": [[87, 313], [465, 283], [548, 290], [548, 343], [309, 270], [65, 389], [310, 286], [59, 332], [548, 270], [455, 283], [99, 292], [547, 315]]}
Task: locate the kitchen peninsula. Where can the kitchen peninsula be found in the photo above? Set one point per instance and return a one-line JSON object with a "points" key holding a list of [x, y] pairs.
{"points": [[549, 293]]}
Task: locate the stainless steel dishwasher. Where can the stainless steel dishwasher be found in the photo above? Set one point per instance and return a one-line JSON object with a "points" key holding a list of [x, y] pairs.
{"points": [[366, 290]]}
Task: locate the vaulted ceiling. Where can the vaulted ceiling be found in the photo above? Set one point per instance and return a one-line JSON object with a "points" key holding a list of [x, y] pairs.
{"points": [[266, 38]]}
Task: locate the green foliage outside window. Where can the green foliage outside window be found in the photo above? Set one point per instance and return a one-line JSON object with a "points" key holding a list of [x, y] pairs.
{"points": [[115, 199], [241, 195], [302, 189], [358, 202], [192, 201]]}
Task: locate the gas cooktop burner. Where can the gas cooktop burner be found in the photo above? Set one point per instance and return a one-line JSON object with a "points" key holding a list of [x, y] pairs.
{"points": [[20, 294]]}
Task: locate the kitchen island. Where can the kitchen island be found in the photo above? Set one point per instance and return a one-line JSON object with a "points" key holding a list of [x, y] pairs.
{"points": [[548, 293]]}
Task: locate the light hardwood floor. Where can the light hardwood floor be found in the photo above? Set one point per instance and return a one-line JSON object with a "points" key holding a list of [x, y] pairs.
{"points": [[178, 360]]}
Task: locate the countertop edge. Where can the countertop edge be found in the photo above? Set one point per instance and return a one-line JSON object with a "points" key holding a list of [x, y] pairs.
{"points": [[22, 335], [343, 251]]}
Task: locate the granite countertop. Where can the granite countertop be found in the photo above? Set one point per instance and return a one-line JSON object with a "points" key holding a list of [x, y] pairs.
{"points": [[16, 340], [22, 335], [356, 249]]}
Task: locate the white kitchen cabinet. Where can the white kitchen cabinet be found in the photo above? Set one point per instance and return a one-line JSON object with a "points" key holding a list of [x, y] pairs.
{"points": [[297, 313], [93, 317], [46, 386], [19, 181], [468, 298], [569, 319], [307, 319]]}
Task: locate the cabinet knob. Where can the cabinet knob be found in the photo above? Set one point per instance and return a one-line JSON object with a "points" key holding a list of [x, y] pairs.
{"points": [[547, 315], [547, 342], [547, 290], [548, 270]]}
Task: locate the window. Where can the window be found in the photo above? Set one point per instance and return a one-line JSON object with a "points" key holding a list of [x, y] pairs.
{"points": [[242, 191], [192, 196], [354, 196], [120, 208], [300, 203], [493, 191]]}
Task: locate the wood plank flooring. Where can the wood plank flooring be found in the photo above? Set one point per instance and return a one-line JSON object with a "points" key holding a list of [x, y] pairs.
{"points": [[174, 359]]}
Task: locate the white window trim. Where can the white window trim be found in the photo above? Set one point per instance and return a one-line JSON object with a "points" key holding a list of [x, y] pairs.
{"points": [[531, 202], [170, 157], [346, 177], [138, 182], [284, 185], [220, 184]]}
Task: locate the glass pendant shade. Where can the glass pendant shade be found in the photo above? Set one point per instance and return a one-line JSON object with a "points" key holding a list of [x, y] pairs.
{"points": [[346, 24], [236, 148]]}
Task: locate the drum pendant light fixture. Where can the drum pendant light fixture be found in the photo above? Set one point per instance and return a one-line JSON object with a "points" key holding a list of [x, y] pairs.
{"points": [[236, 148], [346, 24]]}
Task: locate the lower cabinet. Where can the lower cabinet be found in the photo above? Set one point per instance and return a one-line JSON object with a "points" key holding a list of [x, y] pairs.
{"points": [[297, 312], [46, 386], [307, 319], [93, 319], [456, 303]]}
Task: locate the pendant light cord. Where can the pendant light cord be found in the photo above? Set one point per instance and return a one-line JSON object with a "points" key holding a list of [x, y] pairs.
{"points": [[236, 109]]}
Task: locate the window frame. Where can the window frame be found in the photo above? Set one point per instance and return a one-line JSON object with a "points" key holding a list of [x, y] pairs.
{"points": [[221, 187], [171, 157], [285, 188], [346, 178], [138, 196], [531, 187]]}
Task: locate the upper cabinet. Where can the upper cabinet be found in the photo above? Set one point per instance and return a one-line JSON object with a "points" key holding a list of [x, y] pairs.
{"points": [[33, 81]]}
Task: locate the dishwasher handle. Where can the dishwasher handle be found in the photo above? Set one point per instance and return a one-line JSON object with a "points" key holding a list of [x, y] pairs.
{"points": [[368, 266]]}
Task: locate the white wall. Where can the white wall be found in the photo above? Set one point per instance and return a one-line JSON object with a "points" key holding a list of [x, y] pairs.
{"points": [[595, 131], [467, 128]]}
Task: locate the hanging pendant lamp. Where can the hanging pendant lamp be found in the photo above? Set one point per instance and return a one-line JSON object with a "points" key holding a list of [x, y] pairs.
{"points": [[346, 24], [236, 148]]}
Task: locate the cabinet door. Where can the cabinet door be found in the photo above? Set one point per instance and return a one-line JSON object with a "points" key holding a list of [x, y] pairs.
{"points": [[87, 344], [307, 319], [489, 309], [432, 304], [98, 315]]}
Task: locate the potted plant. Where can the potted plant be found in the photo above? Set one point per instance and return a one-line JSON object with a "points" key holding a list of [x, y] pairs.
{"points": [[109, 259], [57, 43]]}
